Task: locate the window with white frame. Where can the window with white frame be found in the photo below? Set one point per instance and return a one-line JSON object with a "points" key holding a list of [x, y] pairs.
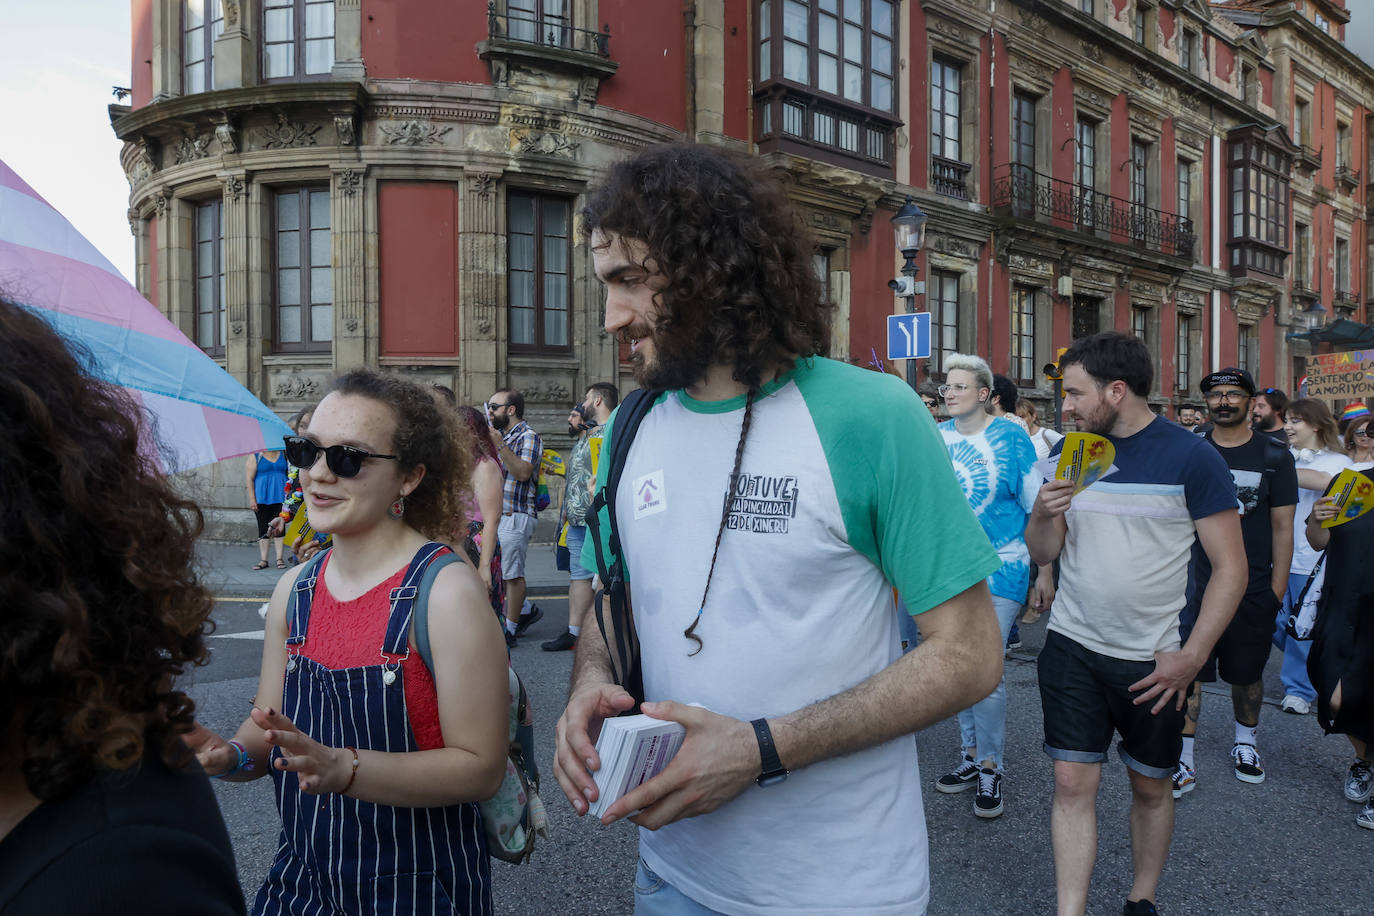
{"points": [[1183, 352], [1247, 348]]}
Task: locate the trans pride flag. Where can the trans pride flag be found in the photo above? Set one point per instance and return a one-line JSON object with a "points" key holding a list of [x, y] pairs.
{"points": [[197, 411]]}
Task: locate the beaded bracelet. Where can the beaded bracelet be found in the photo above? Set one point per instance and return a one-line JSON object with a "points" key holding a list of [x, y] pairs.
{"points": [[353, 775], [245, 762]]}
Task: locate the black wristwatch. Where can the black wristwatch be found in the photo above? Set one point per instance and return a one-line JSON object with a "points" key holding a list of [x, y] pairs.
{"points": [[773, 771]]}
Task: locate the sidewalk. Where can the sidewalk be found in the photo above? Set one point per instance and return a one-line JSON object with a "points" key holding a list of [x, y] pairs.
{"points": [[227, 568]]}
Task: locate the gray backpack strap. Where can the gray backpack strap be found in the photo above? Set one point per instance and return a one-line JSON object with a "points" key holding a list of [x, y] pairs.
{"points": [[420, 611]]}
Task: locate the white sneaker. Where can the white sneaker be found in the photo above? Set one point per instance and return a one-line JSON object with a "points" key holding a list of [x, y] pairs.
{"points": [[1296, 705]]}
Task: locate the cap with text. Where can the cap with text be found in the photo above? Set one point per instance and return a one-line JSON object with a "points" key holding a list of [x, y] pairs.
{"points": [[1238, 378]]}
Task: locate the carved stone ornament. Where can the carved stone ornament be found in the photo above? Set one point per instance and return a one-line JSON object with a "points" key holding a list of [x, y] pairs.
{"points": [[482, 184], [144, 166], [1036, 266], [484, 327], [548, 391], [236, 187], [296, 386], [237, 328], [1145, 79], [1032, 20], [161, 201], [134, 221], [954, 247], [414, 133], [1189, 300], [231, 14], [544, 144], [288, 133], [228, 137], [865, 218], [349, 181], [351, 325], [344, 128], [1092, 51], [950, 31], [192, 148]]}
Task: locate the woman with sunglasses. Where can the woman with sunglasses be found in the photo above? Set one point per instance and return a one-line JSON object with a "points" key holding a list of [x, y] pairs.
{"points": [[377, 762], [1359, 442], [1318, 456]]}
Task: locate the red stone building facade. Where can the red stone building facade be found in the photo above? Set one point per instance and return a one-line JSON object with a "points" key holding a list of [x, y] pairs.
{"points": [[318, 184]]}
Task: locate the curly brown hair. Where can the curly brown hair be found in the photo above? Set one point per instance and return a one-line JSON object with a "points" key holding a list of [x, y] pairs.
{"points": [[428, 435], [102, 607], [741, 287]]}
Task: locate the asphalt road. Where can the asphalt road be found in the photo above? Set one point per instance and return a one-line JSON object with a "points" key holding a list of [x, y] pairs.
{"points": [[1289, 846]]}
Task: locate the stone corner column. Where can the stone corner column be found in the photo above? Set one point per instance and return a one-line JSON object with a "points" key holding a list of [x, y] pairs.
{"points": [[481, 271], [348, 41], [236, 53], [709, 51], [348, 192], [236, 247]]}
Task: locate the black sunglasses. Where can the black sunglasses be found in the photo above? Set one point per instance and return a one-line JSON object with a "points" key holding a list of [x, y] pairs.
{"points": [[343, 460]]}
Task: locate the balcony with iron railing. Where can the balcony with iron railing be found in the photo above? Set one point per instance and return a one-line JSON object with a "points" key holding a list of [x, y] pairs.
{"points": [[546, 43], [548, 31], [1024, 194], [1344, 303]]}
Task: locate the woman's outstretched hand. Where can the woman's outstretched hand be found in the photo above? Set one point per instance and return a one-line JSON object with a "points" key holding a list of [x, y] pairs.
{"points": [[320, 769]]}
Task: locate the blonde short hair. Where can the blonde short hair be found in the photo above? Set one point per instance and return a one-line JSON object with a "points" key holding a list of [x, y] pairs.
{"points": [[969, 363]]}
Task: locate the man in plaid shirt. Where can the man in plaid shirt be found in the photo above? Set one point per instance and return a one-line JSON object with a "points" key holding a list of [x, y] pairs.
{"points": [[519, 448]]}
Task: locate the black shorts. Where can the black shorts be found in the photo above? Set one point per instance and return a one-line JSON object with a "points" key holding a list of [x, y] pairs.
{"points": [[265, 514], [1240, 654], [1084, 698]]}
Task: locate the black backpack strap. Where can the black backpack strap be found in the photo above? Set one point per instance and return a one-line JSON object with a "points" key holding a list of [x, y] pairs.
{"points": [[419, 613], [633, 409]]}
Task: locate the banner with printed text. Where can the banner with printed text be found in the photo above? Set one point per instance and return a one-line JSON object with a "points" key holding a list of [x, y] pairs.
{"points": [[1341, 375]]}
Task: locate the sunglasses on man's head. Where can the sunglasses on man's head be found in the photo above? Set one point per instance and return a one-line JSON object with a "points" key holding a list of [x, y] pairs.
{"points": [[343, 460]]}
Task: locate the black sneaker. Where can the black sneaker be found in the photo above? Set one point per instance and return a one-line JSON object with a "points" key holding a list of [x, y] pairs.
{"points": [[964, 776], [988, 801], [1248, 767], [1139, 908], [510, 640], [528, 620], [560, 643]]}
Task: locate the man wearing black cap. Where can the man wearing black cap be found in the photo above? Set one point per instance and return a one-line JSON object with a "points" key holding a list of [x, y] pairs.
{"points": [[1266, 490]]}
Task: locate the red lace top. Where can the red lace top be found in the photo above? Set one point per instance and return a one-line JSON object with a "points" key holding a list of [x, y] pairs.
{"points": [[350, 634]]}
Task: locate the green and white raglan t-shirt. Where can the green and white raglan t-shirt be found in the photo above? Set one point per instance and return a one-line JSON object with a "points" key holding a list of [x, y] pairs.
{"points": [[845, 490]]}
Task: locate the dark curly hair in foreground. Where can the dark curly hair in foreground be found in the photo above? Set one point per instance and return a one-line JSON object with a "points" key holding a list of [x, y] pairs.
{"points": [[428, 435], [741, 286], [99, 607]]}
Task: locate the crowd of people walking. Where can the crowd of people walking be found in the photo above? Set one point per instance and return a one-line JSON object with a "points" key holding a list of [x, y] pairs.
{"points": [[384, 705]]}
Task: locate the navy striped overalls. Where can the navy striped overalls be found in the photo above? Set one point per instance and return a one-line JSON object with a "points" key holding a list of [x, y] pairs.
{"points": [[339, 855]]}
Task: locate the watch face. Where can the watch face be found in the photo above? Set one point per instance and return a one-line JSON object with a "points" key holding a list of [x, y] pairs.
{"points": [[772, 779]]}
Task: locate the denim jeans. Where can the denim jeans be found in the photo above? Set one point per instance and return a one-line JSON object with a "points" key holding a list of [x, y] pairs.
{"points": [[656, 897], [984, 724], [1293, 674]]}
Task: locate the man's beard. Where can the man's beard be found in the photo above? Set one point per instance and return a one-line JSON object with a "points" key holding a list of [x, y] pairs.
{"points": [[500, 423], [1230, 418], [671, 368], [1100, 421], [574, 431]]}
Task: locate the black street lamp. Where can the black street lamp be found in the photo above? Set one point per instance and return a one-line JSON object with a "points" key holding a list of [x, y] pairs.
{"points": [[1313, 318], [909, 228]]}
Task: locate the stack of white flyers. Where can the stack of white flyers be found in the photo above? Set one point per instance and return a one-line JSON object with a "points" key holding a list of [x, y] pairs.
{"points": [[633, 749]]}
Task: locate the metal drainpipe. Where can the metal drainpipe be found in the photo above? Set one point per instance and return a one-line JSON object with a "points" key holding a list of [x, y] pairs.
{"points": [[1216, 250]]}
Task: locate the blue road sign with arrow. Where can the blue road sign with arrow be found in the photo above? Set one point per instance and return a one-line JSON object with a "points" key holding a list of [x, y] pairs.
{"points": [[908, 336]]}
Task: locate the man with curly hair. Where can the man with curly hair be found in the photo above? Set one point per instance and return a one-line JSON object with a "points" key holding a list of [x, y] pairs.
{"points": [[756, 513]]}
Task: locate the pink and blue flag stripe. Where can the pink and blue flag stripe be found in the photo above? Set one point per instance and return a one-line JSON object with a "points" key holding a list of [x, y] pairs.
{"points": [[197, 411]]}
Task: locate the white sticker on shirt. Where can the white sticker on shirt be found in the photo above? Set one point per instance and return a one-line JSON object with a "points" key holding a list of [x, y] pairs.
{"points": [[649, 494]]}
